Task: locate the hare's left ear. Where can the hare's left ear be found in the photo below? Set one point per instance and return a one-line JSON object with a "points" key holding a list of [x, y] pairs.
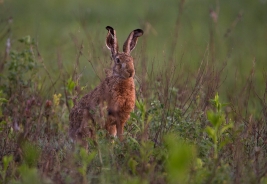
{"points": [[111, 41], [131, 41]]}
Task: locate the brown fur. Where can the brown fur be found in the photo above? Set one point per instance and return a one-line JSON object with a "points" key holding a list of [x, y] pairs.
{"points": [[111, 103]]}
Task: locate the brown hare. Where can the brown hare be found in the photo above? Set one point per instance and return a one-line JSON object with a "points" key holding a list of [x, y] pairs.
{"points": [[110, 103]]}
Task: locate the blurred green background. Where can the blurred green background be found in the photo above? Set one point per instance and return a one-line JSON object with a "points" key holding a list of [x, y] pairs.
{"points": [[175, 32]]}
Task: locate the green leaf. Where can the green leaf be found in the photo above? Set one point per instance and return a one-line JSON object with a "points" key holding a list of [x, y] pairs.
{"points": [[133, 139], [132, 165], [85, 157], [31, 154], [199, 163], [214, 118], [29, 175], [70, 84], [134, 116], [90, 157], [226, 127], [2, 123], [140, 105], [3, 100], [179, 160], [223, 143], [26, 40], [211, 132], [82, 171], [6, 161], [137, 127]]}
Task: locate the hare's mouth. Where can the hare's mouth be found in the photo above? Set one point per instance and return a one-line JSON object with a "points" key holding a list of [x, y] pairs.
{"points": [[124, 74], [129, 73]]}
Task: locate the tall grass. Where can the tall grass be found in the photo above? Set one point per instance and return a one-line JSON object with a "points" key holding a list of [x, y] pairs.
{"points": [[200, 113]]}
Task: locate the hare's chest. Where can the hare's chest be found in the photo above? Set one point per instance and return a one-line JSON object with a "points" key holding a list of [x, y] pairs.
{"points": [[123, 98]]}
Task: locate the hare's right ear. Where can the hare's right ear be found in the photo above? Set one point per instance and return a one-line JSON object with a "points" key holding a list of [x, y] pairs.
{"points": [[111, 41]]}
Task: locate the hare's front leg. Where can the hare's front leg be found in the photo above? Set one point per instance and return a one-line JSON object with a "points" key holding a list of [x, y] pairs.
{"points": [[120, 126], [115, 128], [123, 118], [115, 125], [112, 130]]}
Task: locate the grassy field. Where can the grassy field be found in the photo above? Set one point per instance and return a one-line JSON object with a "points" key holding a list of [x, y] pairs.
{"points": [[201, 86]]}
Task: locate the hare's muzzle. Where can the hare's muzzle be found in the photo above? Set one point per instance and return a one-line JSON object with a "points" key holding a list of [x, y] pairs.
{"points": [[130, 71]]}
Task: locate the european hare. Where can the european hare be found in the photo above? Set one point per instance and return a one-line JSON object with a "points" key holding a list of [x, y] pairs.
{"points": [[111, 101]]}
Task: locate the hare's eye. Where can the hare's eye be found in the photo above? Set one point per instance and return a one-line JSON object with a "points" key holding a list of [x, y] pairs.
{"points": [[117, 60]]}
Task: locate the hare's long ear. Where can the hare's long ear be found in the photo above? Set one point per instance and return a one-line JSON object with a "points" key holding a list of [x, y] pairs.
{"points": [[131, 41], [111, 41]]}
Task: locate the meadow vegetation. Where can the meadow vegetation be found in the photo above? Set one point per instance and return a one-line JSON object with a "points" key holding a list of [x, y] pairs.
{"points": [[201, 86]]}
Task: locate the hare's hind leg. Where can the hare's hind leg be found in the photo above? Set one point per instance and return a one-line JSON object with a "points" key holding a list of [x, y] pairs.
{"points": [[86, 129]]}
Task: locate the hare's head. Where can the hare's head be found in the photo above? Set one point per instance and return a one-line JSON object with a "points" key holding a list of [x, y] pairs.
{"points": [[123, 62]]}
